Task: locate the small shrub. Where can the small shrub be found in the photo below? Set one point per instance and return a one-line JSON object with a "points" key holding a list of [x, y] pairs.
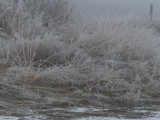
{"points": [[30, 18]]}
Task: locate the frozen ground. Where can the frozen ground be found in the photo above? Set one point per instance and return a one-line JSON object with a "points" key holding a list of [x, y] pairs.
{"points": [[154, 116], [101, 118], [8, 118], [157, 117]]}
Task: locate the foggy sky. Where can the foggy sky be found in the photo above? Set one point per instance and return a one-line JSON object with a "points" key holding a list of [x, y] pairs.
{"points": [[99, 7]]}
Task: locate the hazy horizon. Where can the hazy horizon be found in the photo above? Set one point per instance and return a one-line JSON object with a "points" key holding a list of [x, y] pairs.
{"points": [[120, 7]]}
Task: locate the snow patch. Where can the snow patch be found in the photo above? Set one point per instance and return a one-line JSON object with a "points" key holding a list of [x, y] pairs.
{"points": [[79, 110], [109, 118], [86, 109], [39, 117], [8, 118], [156, 116]]}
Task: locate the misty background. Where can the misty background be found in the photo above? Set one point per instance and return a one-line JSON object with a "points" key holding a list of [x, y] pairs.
{"points": [[140, 8]]}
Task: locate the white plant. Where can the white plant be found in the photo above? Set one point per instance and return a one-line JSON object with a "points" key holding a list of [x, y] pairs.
{"points": [[45, 45]]}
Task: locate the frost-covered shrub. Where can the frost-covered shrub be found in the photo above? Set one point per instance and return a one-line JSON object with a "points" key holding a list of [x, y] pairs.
{"points": [[122, 41], [43, 52], [45, 45], [30, 18], [27, 24]]}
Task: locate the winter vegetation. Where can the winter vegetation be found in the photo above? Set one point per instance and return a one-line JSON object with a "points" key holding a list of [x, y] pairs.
{"points": [[50, 56]]}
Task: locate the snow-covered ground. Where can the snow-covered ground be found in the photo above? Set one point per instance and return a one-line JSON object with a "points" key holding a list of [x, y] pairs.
{"points": [[24, 118], [101, 118], [8, 118], [155, 116]]}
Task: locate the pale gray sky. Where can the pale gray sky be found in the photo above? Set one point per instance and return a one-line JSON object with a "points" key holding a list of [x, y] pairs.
{"points": [[139, 7]]}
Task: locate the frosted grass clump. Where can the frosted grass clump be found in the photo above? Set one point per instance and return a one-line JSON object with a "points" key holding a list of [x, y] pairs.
{"points": [[44, 44]]}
